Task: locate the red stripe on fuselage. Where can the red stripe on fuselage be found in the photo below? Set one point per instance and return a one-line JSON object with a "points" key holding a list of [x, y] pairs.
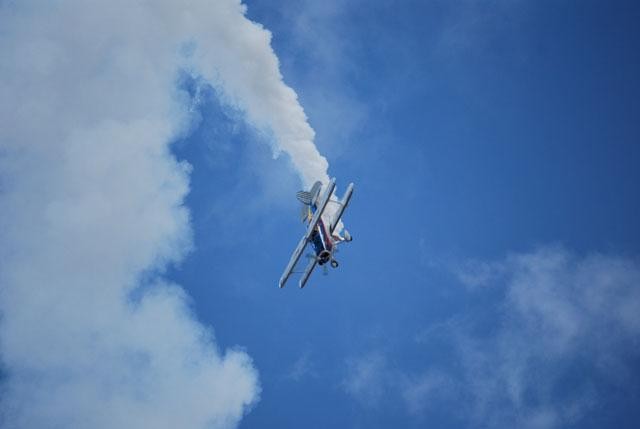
{"points": [[326, 240]]}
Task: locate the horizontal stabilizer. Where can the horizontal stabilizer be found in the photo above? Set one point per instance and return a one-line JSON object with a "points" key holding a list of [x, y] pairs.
{"points": [[309, 197], [304, 197]]}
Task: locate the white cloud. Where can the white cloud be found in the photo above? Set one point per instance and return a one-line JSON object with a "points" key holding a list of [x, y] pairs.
{"points": [[91, 202]]}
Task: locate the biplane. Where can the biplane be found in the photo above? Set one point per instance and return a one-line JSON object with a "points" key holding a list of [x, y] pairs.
{"points": [[322, 232]]}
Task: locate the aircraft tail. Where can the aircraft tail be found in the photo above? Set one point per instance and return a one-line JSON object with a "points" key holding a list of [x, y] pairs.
{"points": [[308, 199]]}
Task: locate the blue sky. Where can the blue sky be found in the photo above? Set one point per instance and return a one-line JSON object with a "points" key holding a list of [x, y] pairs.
{"points": [[488, 141], [494, 276]]}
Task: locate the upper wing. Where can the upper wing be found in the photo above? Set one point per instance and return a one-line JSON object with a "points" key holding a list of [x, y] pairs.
{"points": [[343, 205], [307, 236]]}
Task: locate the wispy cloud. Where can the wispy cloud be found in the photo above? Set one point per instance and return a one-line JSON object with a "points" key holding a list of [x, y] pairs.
{"points": [[301, 368], [372, 379], [566, 323], [475, 28], [367, 378], [562, 332], [422, 391], [321, 33]]}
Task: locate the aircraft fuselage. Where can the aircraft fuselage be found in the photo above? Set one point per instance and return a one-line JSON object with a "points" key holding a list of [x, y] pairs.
{"points": [[321, 241]]}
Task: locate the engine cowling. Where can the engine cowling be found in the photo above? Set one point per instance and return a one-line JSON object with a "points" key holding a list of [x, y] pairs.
{"points": [[324, 257]]}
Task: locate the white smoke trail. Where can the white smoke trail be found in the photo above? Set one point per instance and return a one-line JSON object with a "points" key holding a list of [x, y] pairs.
{"points": [[91, 200], [252, 80]]}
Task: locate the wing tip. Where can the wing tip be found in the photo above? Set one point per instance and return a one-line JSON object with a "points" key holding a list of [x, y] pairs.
{"points": [[282, 281]]}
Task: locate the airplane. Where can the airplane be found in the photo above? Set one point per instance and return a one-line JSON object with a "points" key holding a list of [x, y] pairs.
{"points": [[321, 234]]}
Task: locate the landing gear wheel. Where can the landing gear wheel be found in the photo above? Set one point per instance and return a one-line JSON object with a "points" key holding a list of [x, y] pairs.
{"points": [[334, 263]]}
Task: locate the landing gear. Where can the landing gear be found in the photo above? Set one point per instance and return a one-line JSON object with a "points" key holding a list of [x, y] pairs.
{"points": [[334, 263]]}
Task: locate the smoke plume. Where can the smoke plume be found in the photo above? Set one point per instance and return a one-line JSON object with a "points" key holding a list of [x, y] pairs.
{"points": [[237, 54]]}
